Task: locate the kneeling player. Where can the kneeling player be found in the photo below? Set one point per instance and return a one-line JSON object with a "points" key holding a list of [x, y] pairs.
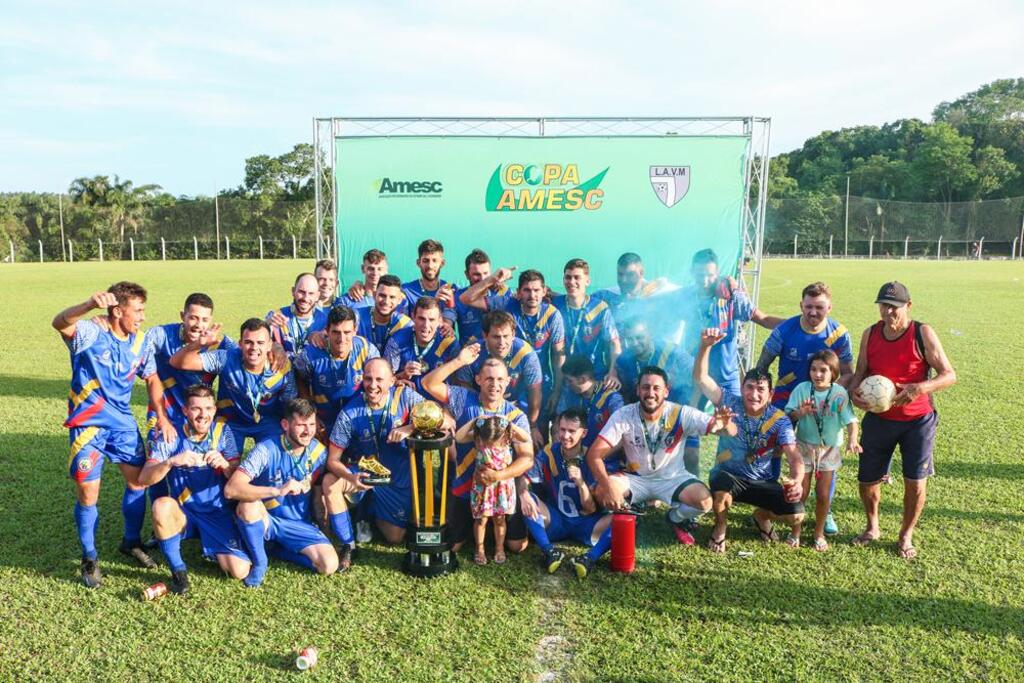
{"points": [[570, 510], [273, 487], [196, 464]]}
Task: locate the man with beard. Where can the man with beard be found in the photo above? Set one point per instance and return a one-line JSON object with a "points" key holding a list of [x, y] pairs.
{"points": [[273, 486], [361, 293], [292, 325], [415, 351], [760, 432], [470, 319], [639, 349], [378, 322], [430, 261], [195, 465], [250, 394], [651, 434]]}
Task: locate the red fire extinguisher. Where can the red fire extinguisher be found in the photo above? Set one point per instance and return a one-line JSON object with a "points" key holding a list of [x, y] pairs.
{"points": [[623, 542]]}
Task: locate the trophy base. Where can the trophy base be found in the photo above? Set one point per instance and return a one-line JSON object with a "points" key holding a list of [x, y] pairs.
{"points": [[430, 554], [377, 481]]}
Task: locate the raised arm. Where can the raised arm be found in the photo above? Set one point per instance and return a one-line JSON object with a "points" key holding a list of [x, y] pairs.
{"points": [[433, 382], [701, 376], [66, 321], [187, 357], [476, 295]]}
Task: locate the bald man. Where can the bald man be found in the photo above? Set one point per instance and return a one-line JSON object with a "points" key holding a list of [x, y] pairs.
{"points": [[292, 324]]}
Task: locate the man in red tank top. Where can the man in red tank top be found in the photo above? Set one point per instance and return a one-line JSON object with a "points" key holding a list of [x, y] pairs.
{"points": [[905, 351]]}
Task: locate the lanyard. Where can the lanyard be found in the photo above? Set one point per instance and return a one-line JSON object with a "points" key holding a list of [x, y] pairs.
{"points": [[197, 445], [374, 331], [343, 364], [750, 436], [294, 464], [419, 354], [819, 415], [528, 335], [255, 397], [582, 311], [653, 439], [378, 428]]}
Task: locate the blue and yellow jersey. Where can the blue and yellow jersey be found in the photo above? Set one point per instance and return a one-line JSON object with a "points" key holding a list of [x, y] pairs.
{"points": [[402, 348], [199, 488], [540, 331], [103, 370], [794, 348], [361, 431], [471, 319], [759, 440], [464, 404], [333, 381], [523, 371], [561, 491], [598, 406], [701, 311], [246, 398], [294, 334], [589, 330], [168, 340], [671, 358], [379, 334], [270, 463], [414, 290]]}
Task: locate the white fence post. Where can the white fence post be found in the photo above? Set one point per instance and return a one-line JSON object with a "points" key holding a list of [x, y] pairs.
{"points": [[938, 253], [163, 249], [40, 250], [1013, 252], [871, 247], [131, 245], [794, 246], [981, 245], [71, 251], [295, 248], [12, 250], [261, 247], [101, 250], [906, 246], [227, 247], [195, 247], [830, 246]]}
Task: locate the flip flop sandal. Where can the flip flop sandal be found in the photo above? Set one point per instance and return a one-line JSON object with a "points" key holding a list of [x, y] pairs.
{"points": [[820, 544], [500, 558], [793, 541], [768, 536], [907, 552], [480, 558], [863, 540], [716, 545]]}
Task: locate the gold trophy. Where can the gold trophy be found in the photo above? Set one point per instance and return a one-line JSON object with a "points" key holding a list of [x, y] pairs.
{"points": [[430, 553]]}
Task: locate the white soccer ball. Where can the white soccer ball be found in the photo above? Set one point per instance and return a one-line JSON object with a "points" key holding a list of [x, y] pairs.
{"points": [[878, 392]]}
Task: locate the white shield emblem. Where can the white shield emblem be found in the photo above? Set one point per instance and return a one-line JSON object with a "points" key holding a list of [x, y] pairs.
{"points": [[670, 183]]}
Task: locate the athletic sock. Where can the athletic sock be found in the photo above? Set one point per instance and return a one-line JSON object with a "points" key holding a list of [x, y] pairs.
{"points": [[604, 542], [681, 512], [252, 534], [171, 548], [341, 524], [294, 557], [539, 533], [86, 517], [133, 507]]}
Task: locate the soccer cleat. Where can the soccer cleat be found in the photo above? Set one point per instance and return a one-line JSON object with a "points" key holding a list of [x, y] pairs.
{"points": [[151, 543], [552, 560], [91, 573], [681, 529], [255, 577], [344, 558], [364, 533], [582, 565], [831, 529], [179, 582], [137, 553]]}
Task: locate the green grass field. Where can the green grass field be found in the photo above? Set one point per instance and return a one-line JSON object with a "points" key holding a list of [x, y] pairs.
{"points": [[957, 612]]}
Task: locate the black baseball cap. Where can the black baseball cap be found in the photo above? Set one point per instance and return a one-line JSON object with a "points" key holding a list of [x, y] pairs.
{"points": [[893, 293]]}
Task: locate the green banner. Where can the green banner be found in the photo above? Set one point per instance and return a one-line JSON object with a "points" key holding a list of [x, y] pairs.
{"points": [[536, 202]]}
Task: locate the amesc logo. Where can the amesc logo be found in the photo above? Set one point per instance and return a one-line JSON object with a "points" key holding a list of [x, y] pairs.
{"points": [[388, 188], [542, 187]]}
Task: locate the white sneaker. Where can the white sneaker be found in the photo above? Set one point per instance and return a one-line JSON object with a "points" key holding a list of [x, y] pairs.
{"points": [[364, 534]]}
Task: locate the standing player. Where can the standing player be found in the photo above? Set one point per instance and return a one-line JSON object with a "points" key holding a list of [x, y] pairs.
{"points": [[415, 351], [470, 319], [251, 394], [589, 327], [326, 273], [195, 464], [581, 391], [640, 349], [273, 487], [292, 325], [569, 509], [104, 364], [467, 405], [330, 376], [637, 297], [361, 293], [378, 322], [651, 434], [794, 342], [430, 260]]}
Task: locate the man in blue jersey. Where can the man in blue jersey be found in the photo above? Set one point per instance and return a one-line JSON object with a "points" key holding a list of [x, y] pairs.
{"points": [[366, 427], [589, 327], [104, 364], [415, 351], [331, 376], [538, 323], [326, 273], [378, 322], [794, 341], [250, 394], [525, 384], [743, 473], [568, 509], [470, 319], [430, 260], [465, 405], [641, 349], [361, 293], [715, 300], [273, 486], [581, 391], [292, 325], [195, 465], [637, 297]]}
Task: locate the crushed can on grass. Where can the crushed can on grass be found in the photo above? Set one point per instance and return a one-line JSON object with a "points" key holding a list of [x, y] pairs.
{"points": [[307, 658], [155, 591]]}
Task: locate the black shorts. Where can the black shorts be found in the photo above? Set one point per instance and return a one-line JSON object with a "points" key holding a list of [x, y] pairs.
{"points": [[768, 495], [460, 522], [879, 438]]}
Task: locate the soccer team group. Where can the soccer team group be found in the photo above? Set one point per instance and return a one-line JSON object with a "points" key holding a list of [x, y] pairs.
{"points": [[565, 407]]}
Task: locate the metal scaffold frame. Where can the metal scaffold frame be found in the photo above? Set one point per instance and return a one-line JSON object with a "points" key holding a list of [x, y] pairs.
{"points": [[757, 130]]}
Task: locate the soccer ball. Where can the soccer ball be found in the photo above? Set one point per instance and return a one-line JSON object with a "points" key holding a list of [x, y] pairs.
{"points": [[427, 416], [878, 392]]}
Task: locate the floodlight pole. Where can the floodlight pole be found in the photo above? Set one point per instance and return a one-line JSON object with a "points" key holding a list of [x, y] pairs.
{"points": [[846, 222]]}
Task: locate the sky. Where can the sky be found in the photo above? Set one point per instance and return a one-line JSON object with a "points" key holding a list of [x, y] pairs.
{"points": [[180, 94]]}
